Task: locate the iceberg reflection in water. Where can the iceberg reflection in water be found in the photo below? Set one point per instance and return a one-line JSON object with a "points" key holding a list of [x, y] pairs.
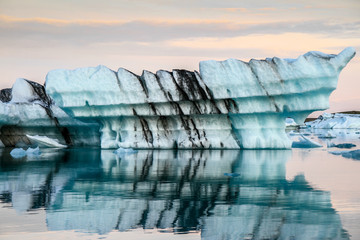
{"points": [[225, 194]]}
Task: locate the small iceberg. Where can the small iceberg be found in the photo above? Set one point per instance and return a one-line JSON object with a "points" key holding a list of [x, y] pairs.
{"points": [[355, 154], [19, 152], [33, 151], [336, 121], [305, 142], [125, 151], [341, 145], [336, 152], [46, 141], [291, 124], [328, 134]]}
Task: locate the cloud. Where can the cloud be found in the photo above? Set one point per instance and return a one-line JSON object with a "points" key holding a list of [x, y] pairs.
{"points": [[235, 10], [39, 31]]}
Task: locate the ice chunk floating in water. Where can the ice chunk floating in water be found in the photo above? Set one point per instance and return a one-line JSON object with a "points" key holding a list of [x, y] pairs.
{"points": [[46, 141], [289, 122], [305, 142], [328, 134], [229, 104], [336, 121], [355, 154], [341, 145], [19, 152], [33, 151]]}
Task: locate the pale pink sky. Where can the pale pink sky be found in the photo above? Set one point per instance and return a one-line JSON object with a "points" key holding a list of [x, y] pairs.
{"points": [[40, 35]]}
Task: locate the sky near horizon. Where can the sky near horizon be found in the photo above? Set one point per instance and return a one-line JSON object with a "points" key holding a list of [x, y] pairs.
{"points": [[40, 35]]}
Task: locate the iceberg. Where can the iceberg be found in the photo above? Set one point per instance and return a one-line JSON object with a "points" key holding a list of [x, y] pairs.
{"points": [[46, 141], [328, 134], [227, 104], [354, 154], [19, 152], [33, 151], [27, 110], [305, 142], [341, 145], [336, 121], [291, 124]]}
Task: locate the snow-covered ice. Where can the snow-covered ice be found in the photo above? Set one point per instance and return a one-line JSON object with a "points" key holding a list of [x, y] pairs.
{"points": [[23, 92], [46, 141]]}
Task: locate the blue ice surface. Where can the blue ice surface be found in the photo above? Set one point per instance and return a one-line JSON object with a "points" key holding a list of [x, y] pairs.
{"points": [[19, 152], [33, 151]]}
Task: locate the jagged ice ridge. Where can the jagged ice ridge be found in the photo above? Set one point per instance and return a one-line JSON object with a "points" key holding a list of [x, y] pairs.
{"points": [[227, 104]]}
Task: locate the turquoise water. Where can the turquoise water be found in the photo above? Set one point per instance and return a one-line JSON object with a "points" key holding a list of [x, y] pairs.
{"points": [[167, 194]]}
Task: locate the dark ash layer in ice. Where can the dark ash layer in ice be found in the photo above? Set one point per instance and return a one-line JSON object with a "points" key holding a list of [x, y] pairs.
{"points": [[26, 109]]}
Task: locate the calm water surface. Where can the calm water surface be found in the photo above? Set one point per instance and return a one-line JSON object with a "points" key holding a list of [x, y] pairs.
{"points": [[166, 194]]}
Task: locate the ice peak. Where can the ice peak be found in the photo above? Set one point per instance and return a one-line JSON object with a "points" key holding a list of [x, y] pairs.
{"points": [[22, 91], [345, 56]]}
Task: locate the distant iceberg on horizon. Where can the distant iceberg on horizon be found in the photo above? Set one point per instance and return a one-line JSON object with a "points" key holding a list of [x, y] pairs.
{"points": [[336, 121], [228, 104]]}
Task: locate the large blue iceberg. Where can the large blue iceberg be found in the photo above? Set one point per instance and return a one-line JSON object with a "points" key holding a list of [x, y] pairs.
{"points": [[228, 104]]}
